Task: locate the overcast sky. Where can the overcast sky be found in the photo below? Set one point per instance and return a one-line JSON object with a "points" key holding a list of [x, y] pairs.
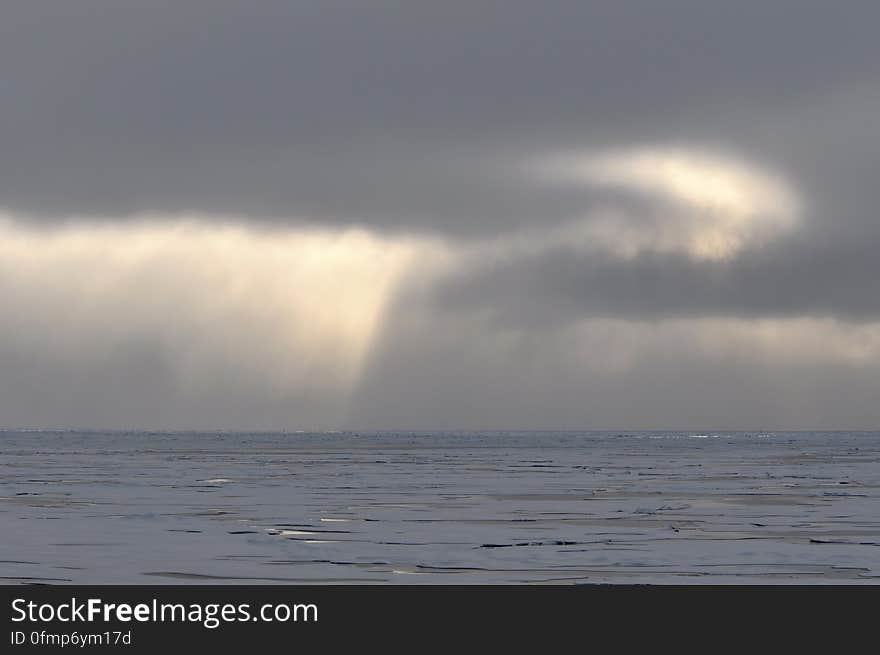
{"points": [[439, 215]]}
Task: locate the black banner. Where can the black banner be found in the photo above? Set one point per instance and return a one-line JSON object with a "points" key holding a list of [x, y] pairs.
{"points": [[150, 618]]}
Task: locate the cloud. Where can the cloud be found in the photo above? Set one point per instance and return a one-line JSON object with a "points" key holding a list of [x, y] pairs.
{"points": [[436, 370], [719, 204], [708, 235], [830, 279], [223, 309], [402, 117], [281, 214]]}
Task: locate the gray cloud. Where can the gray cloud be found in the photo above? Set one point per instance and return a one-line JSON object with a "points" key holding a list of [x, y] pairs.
{"points": [[399, 115], [832, 279], [419, 123], [433, 370]]}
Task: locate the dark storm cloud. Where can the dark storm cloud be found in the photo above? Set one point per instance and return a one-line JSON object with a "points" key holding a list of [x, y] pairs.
{"points": [[403, 115], [827, 279]]}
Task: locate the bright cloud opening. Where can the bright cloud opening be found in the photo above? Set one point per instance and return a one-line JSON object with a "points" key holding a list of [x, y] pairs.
{"points": [[715, 205], [279, 309]]}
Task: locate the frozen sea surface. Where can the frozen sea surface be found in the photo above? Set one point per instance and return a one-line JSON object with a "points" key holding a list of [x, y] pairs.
{"points": [[647, 507]]}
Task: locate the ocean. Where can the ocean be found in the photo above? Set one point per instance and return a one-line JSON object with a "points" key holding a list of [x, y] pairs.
{"points": [[439, 507]]}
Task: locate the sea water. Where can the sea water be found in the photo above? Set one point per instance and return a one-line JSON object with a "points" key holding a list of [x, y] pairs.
{"points": [[439, 507]]}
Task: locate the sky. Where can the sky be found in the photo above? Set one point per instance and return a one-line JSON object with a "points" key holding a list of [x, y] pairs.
{"points": [[328, 214]]}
